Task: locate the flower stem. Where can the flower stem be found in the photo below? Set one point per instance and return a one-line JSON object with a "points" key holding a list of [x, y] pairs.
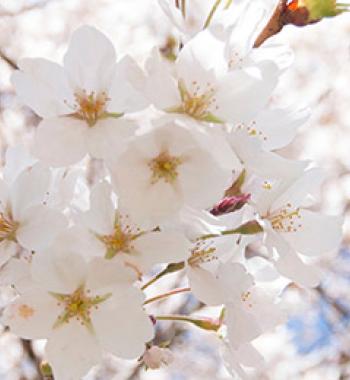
{"points": [[211, 13], [171, 268], [203, 323], [166, 295], [249, 228]]}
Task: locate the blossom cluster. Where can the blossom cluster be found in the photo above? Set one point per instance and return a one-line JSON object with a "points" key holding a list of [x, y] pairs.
{"points": [[171, 164]]}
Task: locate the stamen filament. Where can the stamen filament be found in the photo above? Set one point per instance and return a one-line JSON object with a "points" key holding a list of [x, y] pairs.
{"points": [[211, 13]]}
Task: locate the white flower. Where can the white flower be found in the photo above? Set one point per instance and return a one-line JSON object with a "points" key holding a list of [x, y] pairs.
{"points": [[82, 309], [172, 166], [80, 102], [214, 241], [155, 357], [249, 309], [111, 233], [291, 229], [201, 85], [25, 219], [63, 182]]}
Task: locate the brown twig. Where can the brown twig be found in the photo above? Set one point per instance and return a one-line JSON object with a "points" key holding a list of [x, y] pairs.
{"points": [[282, 16], [8, 60], [334, 303], [28, 349]]}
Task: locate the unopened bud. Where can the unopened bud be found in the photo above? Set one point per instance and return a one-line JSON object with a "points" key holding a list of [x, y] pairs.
{"points": [[46, 370], [316, 9], [230, 204]]}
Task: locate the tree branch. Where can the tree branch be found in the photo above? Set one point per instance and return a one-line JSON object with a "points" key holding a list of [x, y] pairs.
{"points": [[282, 16], [8, 60]]}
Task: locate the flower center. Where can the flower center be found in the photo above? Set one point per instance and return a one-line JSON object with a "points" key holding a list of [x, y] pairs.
{"points": [[201, 253], [120, 241], [165, 167], [8, 227], [90, 107], [78, 306], [286, 219], [197, 104]]}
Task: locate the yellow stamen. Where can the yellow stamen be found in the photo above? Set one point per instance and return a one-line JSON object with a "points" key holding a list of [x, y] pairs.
{"points": [[78, 306], [90, 107], [284, 220], [8, 227], [165, 167], [121, 240]]}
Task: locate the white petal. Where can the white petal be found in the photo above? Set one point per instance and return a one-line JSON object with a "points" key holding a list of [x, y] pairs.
{"points": [[29, 189], [4, 195], [143, 201], [242, 95], [109, 137], [33, 314], [7, 250], [300, 189], [160, 247], [249, 356], [122, 326], [290, 265], [42, 85], [72, 351], [90, 60], [17, 159], [279, 126], [242, 327], [79, 239], [318, 233], [17, 274], [193, 178], [161, 88], [101, 216], [234, 279], [60, 141], [126, 87], [58, 271], [106, 274], [63, 187], [205, 287], [39, 226], [195, 64]]}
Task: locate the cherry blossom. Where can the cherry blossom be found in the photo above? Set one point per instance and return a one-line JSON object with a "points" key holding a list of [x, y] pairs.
{"points": [[25, 220], [81, 103], [292, 229], [112, 234], [194, 183], [82, 309], [202, 86], [170, 166]]}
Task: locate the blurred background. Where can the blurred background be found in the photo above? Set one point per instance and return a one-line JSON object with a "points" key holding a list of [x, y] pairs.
{"points": [[315, 343]]}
